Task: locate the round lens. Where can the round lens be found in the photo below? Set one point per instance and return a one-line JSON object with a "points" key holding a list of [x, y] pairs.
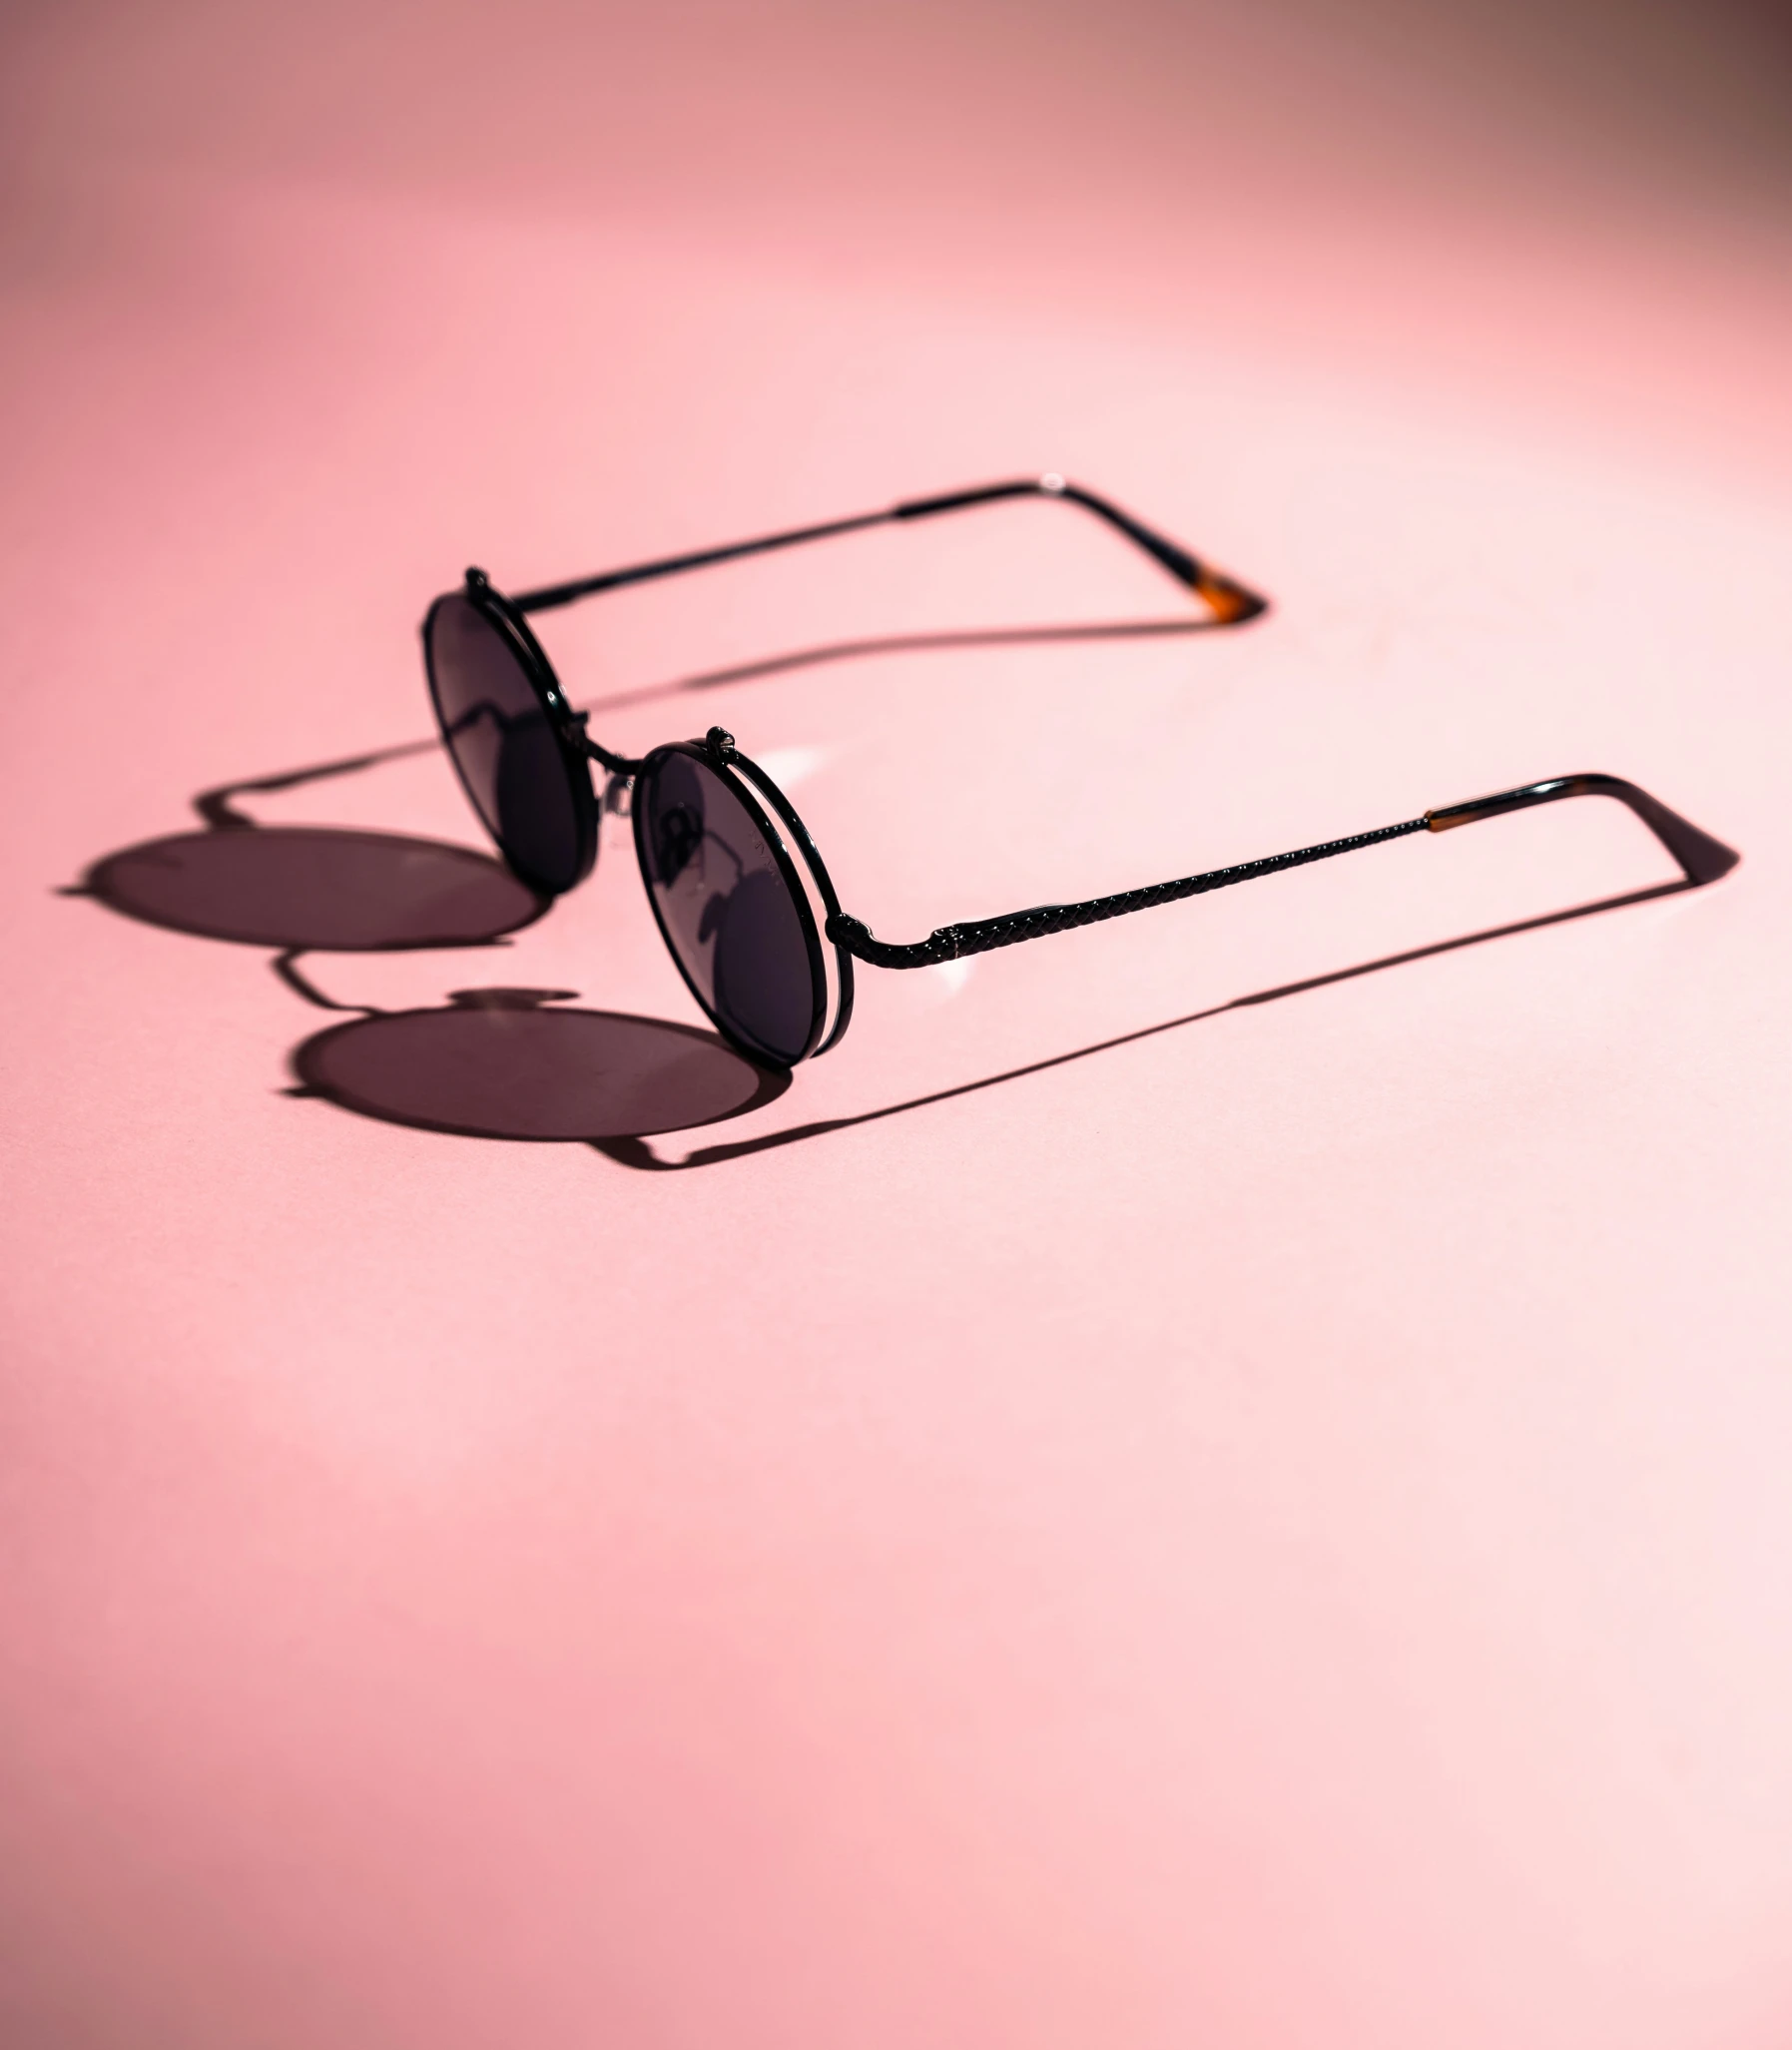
{"points": [[510, 759], [727, 910]]}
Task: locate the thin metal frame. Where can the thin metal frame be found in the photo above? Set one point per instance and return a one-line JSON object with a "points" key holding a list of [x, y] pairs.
{"points": [[811, 856], [566, 724], [715, 753], [1702, 857]]}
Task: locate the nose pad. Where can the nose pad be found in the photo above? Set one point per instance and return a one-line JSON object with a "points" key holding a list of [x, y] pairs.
{"points": [[713, 914], [618, 792]]}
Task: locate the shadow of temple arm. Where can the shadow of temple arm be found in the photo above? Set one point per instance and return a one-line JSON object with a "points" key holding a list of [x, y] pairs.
{"points": [[1231, 602], [216, 808], [1701, 859]]}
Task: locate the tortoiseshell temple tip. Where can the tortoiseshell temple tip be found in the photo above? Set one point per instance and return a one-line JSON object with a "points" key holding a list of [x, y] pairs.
{"points": [[1232, 603], [1702, 857]]}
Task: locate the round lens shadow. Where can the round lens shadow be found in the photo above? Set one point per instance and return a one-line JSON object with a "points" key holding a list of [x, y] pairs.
{"points": [[303, 886], [501, 1064]]}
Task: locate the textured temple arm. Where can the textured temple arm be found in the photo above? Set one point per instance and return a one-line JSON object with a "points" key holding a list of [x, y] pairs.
{"points": [[1701, 859], [1232, 603]]}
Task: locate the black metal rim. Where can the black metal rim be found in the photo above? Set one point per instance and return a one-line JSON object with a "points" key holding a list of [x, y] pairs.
{"points": [[793, 883], [539, 674], [811, 858]]}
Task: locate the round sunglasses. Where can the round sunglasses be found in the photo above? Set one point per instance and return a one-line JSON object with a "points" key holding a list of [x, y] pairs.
{"points": [[741, 893]]}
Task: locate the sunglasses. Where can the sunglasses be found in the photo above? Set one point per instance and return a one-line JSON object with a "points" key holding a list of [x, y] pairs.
{"points": [[738, 888]]}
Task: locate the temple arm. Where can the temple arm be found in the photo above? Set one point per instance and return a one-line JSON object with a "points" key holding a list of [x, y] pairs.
{"points": [[1231, 601], [1701, 859]]}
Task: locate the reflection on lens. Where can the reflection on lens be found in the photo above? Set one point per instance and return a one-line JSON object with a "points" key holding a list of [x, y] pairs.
{"points": [[725, 909], [508, 755]]}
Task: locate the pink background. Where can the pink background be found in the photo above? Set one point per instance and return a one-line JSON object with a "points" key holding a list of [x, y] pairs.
{"points": [[1273, 1533]]}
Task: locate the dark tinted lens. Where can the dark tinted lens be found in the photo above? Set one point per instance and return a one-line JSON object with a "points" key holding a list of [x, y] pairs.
{"points": [[726, 909], [508, 755]]}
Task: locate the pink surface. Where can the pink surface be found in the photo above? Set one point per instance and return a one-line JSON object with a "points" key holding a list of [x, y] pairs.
{"points": [[1270, 1531]]}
